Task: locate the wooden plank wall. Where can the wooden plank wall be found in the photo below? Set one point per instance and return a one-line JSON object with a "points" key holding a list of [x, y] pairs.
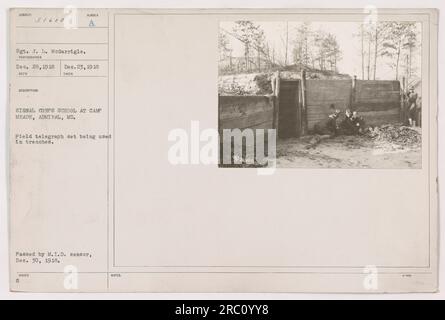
{"points": [[241, 112], [245, 112], [320, 94], [379, 102]]}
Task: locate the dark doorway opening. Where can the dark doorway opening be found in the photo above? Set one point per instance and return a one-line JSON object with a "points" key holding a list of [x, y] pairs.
{"points": [[289, 114]]}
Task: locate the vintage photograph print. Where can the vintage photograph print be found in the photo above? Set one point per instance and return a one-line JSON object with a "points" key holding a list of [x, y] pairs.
{"points": [[330, 94]]}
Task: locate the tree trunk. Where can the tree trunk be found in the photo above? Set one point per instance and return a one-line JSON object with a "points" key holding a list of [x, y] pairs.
{"points": [[259, 60], [363, 52], [369, 55], [287, 43], [376, 47], [399, 51]]}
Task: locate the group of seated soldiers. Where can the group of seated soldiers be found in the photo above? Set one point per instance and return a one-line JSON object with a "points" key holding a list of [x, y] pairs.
{"points": [[350, 124]]}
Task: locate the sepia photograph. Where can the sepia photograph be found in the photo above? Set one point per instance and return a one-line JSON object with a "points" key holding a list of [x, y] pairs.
{"points": [[128, 129], [336, 94]]}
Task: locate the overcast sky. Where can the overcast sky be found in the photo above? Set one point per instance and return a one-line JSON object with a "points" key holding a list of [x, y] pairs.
{"points": [[350, 45]]}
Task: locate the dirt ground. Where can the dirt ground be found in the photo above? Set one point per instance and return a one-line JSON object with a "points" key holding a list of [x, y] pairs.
{"points": [[347, 152]]}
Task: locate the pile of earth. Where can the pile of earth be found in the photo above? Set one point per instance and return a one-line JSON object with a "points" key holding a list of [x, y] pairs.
{"points": [[243, 84], [396, 134]]}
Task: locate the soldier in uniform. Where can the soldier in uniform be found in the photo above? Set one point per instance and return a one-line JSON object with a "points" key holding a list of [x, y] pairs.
{"points": [[328, 126], [358, 123], [347, 125], [419, 112], [412, 107]]}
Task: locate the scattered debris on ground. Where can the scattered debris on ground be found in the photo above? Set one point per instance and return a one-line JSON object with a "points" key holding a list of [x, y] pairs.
{"points": [[384, 147], [396, 134]]}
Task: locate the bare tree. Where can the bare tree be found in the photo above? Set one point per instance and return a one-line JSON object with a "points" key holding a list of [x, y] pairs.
{"points": [[399, 36], [410, 45], [301, 52], [252, 36], [286, 43], [369, 36], [379, 34], [224, 48], [362, 33], [376, 49], [328, 51], [366, 35]]}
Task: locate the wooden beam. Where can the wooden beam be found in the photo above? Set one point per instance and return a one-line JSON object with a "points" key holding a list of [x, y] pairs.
{"points": [[402, 101], [304, 129], [353, 93], [276, 102]]}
